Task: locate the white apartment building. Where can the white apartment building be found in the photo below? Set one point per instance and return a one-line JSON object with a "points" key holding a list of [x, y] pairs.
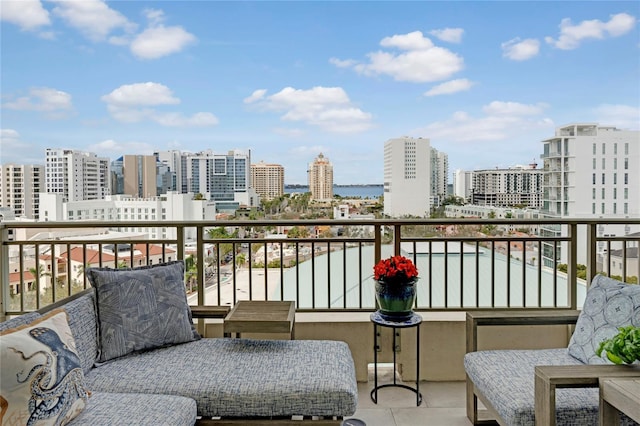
{"points": [[592, 171], [515, 186], [439, 176], [20, 187], [462, 184], [168, 207], [77, 175], [320, 178], [267, 180], [226, 178], [407, 177]]}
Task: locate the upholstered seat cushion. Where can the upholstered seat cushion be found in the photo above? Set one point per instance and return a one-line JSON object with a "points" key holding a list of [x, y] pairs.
{"points": [[241, 377], [507, 377], [108, 409]]}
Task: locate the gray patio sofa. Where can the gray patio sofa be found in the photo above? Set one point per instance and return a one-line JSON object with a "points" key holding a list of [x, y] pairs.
{"points": [[504, 380], [260, 380]]}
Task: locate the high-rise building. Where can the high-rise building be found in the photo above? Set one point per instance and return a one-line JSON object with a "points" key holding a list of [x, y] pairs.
{"points": [[515, 186], [439, 176], [77, 175], [407, 177], [20, 186], [267, 180], [140, 175], [591, 171], [226, 178], [463, 184], [320, 178]]}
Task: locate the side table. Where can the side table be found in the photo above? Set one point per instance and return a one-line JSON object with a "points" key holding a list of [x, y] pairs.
{"points": [[619, 395], [261, 316], [379, 321]]}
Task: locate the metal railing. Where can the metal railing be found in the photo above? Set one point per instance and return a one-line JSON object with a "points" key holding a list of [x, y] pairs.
{"points": [[327, 264]]}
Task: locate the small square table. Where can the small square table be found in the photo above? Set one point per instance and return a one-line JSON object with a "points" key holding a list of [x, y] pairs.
{"points": [[261, 316], [619, 395]]}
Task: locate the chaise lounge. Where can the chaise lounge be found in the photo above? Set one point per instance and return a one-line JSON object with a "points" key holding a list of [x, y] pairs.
{"points": [[505, 380], [129, 371]]}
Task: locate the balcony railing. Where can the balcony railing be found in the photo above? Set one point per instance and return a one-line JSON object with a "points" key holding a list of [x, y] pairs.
{"points": [[326, 265]]}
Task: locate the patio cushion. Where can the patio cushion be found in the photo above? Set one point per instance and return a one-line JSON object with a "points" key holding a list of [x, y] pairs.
{"points": [[108, 409], [41, 380], [141, 308], [242, 377], [609, 304], [506, 378], [84, 326]]}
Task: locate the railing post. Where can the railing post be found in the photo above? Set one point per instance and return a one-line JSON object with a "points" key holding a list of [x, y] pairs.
{"points": [[397, 239], [592, 255], [200, 263], [4, 270], [572, 272], [377, 245]]}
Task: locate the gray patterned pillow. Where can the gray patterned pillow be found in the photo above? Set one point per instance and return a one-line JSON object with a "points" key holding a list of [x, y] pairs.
{"points": [[141, 308], [609, 304]]}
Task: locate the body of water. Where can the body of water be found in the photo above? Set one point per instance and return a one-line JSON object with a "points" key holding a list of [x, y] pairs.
{"points": [[347, 191]]}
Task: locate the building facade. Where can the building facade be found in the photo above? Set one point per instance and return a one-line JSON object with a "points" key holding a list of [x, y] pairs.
{"points": [[320, 178], [439, 176], [20, 187], [463, 184], [77, 175], [267, 180], [407, 177], [591, 171], [140, 175], [515, 186]]}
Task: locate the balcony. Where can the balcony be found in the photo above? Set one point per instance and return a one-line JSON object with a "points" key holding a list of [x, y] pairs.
{"points": [[325, 266]]}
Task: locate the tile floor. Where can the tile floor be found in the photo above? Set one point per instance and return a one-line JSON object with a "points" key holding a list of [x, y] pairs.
{"points": [[443, 405]]}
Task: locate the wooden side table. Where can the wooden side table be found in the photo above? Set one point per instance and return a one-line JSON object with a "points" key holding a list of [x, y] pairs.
{"points": [[619, 395], [261, 316]]}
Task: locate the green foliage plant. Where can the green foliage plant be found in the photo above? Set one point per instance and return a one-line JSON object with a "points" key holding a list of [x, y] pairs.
{"points": [[624, 347]]}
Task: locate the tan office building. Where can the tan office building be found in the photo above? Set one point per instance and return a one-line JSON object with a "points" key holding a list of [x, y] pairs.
{"points": [[267, 180], [320, 177], [140, 176]]}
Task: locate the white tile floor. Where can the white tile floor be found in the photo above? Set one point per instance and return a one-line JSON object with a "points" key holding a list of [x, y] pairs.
{"points": [[443, 405]]}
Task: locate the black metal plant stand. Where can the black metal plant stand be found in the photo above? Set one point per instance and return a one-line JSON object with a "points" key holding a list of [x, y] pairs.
{"points": [[378, 320]]}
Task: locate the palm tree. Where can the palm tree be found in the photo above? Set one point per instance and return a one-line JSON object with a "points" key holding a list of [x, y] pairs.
{"points": [[39, 272]]}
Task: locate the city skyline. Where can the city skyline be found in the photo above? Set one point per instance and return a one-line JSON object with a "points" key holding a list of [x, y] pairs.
{"points": [[485, 82]]}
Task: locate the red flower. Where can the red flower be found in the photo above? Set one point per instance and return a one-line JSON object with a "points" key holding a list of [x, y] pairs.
{"points": [[397, 269]]}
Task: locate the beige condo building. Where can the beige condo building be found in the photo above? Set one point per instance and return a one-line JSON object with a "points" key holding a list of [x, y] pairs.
{"points": [[267, 180], [320, 178]]}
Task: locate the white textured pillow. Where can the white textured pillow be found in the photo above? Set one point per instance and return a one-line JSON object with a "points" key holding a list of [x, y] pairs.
{"points": [[609, 304], [41, 380]]}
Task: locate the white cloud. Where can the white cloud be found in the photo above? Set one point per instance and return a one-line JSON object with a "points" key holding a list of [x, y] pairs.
{"points": [[15, 150], [290, 133], [255, 96], [501, 121], [450, 87], [520, 50], [571, 35], [27, 14], [93, 18], [451, 35], [132, 103], [109, 148], [620, 116], [156, 42], [326, 107], [419, 62], [148, 93], [54, 103], [499, 108]]}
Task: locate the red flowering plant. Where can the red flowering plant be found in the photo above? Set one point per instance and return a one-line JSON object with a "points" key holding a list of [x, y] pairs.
{"points": [[396, 270]]}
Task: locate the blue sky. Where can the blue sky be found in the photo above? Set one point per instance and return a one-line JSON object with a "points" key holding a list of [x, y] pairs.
{"points": [[486, 82]]}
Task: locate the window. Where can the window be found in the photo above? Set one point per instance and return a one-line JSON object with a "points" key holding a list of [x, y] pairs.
{"points": [[594, 164], [594, 179], [615, 148], [626, 164], [593, 193], [603, 178], [594, 149], [593, 208], [626, 208], [615, 178], [602, 208], [603, 197], [615, 193], [626, 148], [603, 149], [603, 164], [615, 210], [626, 178], [626, 193]]}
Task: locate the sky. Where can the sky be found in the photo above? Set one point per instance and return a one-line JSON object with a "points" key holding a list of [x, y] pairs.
{"points": [[484, 81]]}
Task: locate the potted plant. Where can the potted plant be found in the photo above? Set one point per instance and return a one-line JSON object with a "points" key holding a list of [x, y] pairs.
{"points": [[624, 347], [396, 279]]}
